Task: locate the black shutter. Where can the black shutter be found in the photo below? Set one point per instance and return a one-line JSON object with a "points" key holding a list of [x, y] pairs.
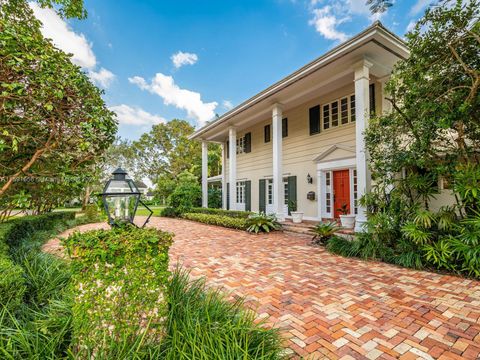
{"points": [[248, 142], [261, 200], [314, 116], [228, 149], [248, 195], [292, 193], [371, 94], [266, 133], [228, 196], [284, 127]]}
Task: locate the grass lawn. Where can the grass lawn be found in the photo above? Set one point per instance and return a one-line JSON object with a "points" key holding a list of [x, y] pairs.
{"points": [[142, 211]]}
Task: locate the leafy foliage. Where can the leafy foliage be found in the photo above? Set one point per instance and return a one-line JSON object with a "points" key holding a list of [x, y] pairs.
{"points": [[187, 193], [54, 123], [215, 198], [203, 324], [261, 222], [230, 213], [220, 220], [119, 283], [323, 232]]}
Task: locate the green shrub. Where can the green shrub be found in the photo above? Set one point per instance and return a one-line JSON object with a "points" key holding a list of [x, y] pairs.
{"points": [[230, 213], [119, 282], [92, 213], [322, 232], [225, 221], [341, 246], [187, 193], [214, 198], [169, 212], [12, 284], [261, 222], [204, 325]]}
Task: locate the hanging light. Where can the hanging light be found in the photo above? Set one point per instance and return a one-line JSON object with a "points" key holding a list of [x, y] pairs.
{"points": [[121, 198]]}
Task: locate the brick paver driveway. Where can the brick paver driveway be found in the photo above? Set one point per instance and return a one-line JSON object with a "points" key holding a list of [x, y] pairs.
{"points": [[333, 307]]}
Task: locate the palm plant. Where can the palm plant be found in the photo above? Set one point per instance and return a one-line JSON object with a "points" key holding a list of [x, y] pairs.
{"points": [[262, 222], [322, 232]]}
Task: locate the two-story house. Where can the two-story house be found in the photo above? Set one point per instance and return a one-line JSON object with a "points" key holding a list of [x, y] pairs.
{"points": [[301, 140]]}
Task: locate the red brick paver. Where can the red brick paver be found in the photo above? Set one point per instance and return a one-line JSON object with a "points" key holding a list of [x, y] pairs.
{"points": [[330, 307]]}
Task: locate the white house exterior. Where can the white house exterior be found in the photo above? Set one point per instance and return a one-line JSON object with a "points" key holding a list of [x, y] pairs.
{"points": [[301, 139]]}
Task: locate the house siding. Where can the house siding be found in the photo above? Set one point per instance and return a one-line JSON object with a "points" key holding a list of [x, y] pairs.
{"points": [[299, 150]]}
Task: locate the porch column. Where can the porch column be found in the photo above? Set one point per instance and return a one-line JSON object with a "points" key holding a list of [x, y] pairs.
{"points": [[232, 167], [278, 194], [224, 178], [204, 174], [362, 114]]}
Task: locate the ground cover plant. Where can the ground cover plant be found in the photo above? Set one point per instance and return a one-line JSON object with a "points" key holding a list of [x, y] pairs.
{"points": [[220, 220], [262, 222]]}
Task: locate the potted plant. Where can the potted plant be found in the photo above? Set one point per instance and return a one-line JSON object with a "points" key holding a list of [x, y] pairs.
{"points": [[297, 216], [347, 220]]}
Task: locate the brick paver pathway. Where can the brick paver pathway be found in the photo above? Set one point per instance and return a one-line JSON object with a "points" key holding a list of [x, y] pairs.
{"points": [[333, 307]]}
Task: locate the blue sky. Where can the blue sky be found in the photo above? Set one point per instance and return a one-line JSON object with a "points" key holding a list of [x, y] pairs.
{"points": [[159, 60]]}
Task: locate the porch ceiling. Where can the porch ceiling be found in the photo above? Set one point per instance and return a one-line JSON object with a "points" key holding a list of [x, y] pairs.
{"points": [[327, 73]]}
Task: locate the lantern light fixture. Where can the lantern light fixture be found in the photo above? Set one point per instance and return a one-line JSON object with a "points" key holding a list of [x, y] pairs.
{"points": [[309, 179]]}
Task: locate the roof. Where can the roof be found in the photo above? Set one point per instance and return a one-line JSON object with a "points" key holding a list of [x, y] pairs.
{"points": [[140, 184], [376, 27]]}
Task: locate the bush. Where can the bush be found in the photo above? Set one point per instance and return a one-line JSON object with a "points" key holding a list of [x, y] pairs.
{"points": [[214, 198], [186, 195], [322, 232], [12, 284], [119, 282], [229, 213], [203, 325], [225, 221], [169, 212], [257, 223], [91, 213]]}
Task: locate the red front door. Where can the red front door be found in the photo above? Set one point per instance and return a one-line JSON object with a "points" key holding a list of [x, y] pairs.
{"points": [[341, 191]]}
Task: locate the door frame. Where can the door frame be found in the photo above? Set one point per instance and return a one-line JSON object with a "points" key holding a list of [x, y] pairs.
{"points": [[328, 167]]}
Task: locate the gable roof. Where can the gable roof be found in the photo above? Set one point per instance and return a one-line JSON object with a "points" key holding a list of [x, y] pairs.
{"points": [[333, 148]]}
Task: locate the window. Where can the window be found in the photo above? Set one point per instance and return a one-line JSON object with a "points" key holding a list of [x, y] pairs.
{"points": [[241, 145], [240, 192], [326, 116], [328, 192], [335, 114], [266, 133], [269, 191], [339, 112], [285, 190], [355, 192], [284, 127], [314, 118], [344, 110], [352, 108]]}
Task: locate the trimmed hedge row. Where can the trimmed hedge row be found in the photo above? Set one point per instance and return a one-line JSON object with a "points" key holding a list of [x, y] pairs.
{"points": [[225, 221], [222, 212], [12, 233]]}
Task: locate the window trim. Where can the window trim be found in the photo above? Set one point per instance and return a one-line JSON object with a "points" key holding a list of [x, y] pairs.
{"points": [[267, 132], [328, 114]]}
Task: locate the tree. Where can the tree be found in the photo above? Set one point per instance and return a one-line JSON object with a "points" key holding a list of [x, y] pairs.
{"points": [[166, 151], [54, 123]]}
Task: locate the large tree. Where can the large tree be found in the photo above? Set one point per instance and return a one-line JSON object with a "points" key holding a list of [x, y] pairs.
{"points": [[54, 123]]}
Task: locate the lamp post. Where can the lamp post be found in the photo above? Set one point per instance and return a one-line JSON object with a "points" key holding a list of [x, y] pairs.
{"points": [[121, 198]]}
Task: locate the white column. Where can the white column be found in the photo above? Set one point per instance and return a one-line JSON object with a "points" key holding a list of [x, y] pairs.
{"points": [[362, 114], [232, 167], [224, 178], [204, 174], [278, 195]]}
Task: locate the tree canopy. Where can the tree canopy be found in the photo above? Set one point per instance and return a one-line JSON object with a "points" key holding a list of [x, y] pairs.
{"points": [[54, 123]]}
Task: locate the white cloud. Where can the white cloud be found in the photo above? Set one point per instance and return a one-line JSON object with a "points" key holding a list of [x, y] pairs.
{"points": [[325, 23], [227, 104], [183, 58], [410, 26], [64, 38], [135, 116], [102, 77], [419, 6], [190, 101], [55, 28]]}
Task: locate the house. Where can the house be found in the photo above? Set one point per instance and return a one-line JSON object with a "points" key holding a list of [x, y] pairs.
{"points": [[142, 187], [300, 142]]}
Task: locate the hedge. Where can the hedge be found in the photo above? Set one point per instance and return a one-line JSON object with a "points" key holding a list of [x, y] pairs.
{"points": [[12, 234], [225, 221], [222, 212], [120, 277]]}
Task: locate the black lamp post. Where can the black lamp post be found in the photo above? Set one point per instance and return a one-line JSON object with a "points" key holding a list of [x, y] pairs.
{"points": [[121, 198]]}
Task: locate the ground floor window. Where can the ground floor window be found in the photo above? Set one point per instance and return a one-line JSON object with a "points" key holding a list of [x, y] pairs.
{"points": [[328, 192], [270, 192], [240, 192], [285, 190]]}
